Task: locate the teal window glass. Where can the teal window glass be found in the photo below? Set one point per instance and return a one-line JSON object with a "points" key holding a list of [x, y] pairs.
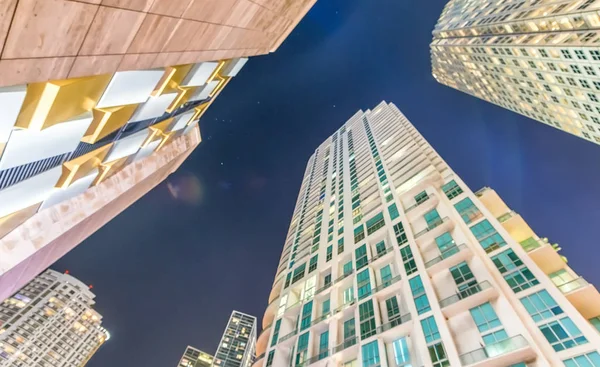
{"points": [[432, 218], [329, 253], [585, 360], [299, 273], [276, 332], [386, 274], [380, 248], [430, 329], [421, 197], [325, 307], [359, 234], [302, 350], [541, 306], [595, 321], [517, 275], [375, 223], [452, 190], [348, 295], [270, 358], [487, 236], [485, 317], [507, 261], [306, 315], [364, 284], [467, 210], [340, 245], [366, 313], [419, 296], [445, 243], [393, 310], [530, 244], [288, 278], [323, 343], [401, 352], [370, 354], [347, 268], [327, 279], [349, 329], [463, 276], [438, 355], [563, 334], [407, 258], [361, 257], [393, 209], [312, 265], [400, 234], [494, 337]]}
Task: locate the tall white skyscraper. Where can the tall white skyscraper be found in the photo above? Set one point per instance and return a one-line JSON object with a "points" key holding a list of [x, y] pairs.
{"points": [[391, 260], [50, 323], [539, 58], [238, 344]]}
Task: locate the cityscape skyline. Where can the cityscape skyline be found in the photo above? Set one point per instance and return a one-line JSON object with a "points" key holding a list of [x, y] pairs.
{"points": [[183, 226]]}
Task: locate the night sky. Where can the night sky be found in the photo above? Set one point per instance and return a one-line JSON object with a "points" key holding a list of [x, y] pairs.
{"points": [[167, 273]]}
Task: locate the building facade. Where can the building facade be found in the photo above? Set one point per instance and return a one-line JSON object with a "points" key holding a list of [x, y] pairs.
{"points": [[193, 357], [391, 260], [238, 344], [537, 58], [50, 322]]}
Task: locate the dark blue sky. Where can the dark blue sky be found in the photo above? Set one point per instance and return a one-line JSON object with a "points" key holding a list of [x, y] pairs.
{"points": [[168, 274]]}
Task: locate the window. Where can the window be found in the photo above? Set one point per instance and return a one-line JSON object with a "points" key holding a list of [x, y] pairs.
{"points": [[302, 350], [520, 280], [270, 358], [530, 244], [563, 334], [407, 257], [452, 190], [312, 265], [386, 274], [367, 319], [561, 277], [419, 296], [298, 273], [517, 275], [348, 295], [323, 344], [288, 278], [375, 223], [391, 304], [487, 236], [432, 218], [401, 352], [359, 234], [325, 307], [276, 332], [421, 197], [393, 209], [494, 337], [370, 354], [380, 248], [595, 321], [463, 276], [329, 253], [349, 329], [306, 315], [364, 284], [340, 245], [438, 355], [446, 244], [400, 234], [430, 329], [485, 317], [584, 360], [361, 257], [347, 269], [467, 210], [541, 306]]}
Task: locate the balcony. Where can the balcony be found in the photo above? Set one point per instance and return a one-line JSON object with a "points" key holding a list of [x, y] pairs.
{"points": [[258, 362], [422, 207], [434, 229], [311, 361], [344, 309], [350, 342], [583, 295], [544, 255], [381, 255], [507, 352], [384, 289], [344, 276], [287, 337], [468, 298], [395, 328], [323, 288], [449, 258]]}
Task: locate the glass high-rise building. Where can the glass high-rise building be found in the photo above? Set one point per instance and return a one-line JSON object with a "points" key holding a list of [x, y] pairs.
{"points": [[193, 357], [238, 344], [50, 322], [537, 58], [391, 260]]}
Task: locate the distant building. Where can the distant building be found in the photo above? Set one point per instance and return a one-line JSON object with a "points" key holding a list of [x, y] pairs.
{"points": [[50, 322], [391, 260], [195, 358], [537, 58], [107, 107]]}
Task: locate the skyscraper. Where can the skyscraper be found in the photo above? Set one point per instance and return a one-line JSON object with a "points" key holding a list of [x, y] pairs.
{"points": [[537, 58], [107, 107], [50, 322], [193, 357], [238, 344], [391, 260]]}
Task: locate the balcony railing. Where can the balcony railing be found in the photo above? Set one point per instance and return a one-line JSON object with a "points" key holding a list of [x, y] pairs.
{"points": [[465, 293], [432, 226], [573, 285], [344, 306], [322, 354], [445, 254], [386, 284], [381, 254], [345, 344], [260, 357], [321, 318], [323, 288], [344, 276], [494, 350], [393, 323], [288, 336], [418, 204]]}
